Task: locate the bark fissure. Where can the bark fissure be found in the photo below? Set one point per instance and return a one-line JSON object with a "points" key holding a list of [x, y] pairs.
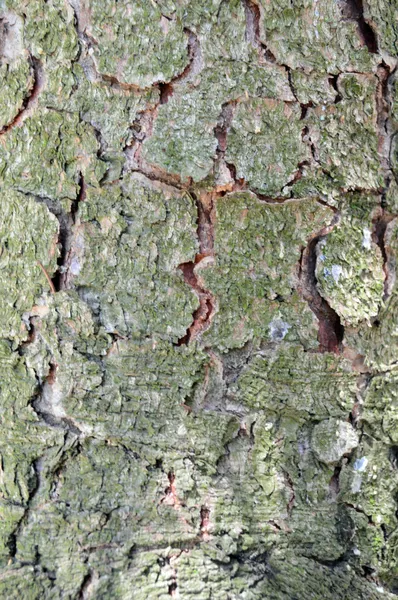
{"points": [[203, 315], [253, 17], [31, 100], [62, 278], [331, 330], [355, 11], [13, 537]]}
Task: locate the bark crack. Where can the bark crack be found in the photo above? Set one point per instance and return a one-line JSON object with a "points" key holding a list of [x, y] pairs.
{"points": [[62, 278], [354, 10], [31, 100], [204, 314], [331, 330]]}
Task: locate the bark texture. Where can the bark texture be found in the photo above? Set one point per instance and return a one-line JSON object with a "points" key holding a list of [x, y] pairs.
{"points": [[198, 299]]}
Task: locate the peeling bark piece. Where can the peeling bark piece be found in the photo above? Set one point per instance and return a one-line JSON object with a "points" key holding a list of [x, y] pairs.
{"points": [[379, 343], [332, 439], [314, 88], [29, 234], [49, 30], [349, 269], [324, 536], [265, 144], [368, 486], [22, 442], [381, 408], [257, 249], [274, 381], [61, 148], [345, 135], [183, 139], [106, 516], [140, 235], [112, 111], [315, 35], [305, 577], [134, 43]]}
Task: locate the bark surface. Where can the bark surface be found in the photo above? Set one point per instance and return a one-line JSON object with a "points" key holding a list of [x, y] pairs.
{"points": [[198, 299]]}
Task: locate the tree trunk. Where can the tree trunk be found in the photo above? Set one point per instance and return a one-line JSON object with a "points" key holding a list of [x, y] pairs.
{"points": [[198, 300]]}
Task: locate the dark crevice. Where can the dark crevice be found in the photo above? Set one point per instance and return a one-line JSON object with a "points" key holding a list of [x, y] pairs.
{"points": [[331, 564], [298, 174], [306, 137], [43, 408], [353, 9], [292, 498], [67, 222], [173, 588], [384, 125], [333, 83], [58, 423], [31, 99], [304, 110], [204, 313], [379, 238], [334, 483], [224, 124], [34, 484], [360, 511], [292, 88], [393, 456], [166, 91], [354, 415], [85, 589], [331, 330], [204, 522], [253, 17]]}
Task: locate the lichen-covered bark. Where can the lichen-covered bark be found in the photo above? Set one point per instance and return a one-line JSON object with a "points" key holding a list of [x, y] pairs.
{"points": [[198, 299]]}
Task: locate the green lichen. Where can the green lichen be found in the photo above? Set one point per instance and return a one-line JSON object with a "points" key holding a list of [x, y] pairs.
{"points": [[257, 250], [313, 36], [60, 148], [140, 235], [345, 135], [29, 234], [240, 462], [265, 144], [350, 268], [135, 43]]}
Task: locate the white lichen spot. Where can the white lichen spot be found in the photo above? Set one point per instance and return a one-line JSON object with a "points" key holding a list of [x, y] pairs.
{"points": [[360, 464], [75, 266], [356, 483], [278, 329], [367, 239], [337, 270]]}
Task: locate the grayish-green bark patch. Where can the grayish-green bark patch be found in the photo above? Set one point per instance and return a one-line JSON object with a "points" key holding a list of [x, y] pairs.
{"points": [[198, 299]]}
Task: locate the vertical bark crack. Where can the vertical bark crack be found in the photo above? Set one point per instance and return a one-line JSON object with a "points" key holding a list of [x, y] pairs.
{"points": [[67, 222], [203, 315], [353, 9], [31, 100], [331, 330]]}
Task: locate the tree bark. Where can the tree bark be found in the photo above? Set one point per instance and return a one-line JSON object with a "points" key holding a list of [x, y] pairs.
{"points": [[198, 299]]}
